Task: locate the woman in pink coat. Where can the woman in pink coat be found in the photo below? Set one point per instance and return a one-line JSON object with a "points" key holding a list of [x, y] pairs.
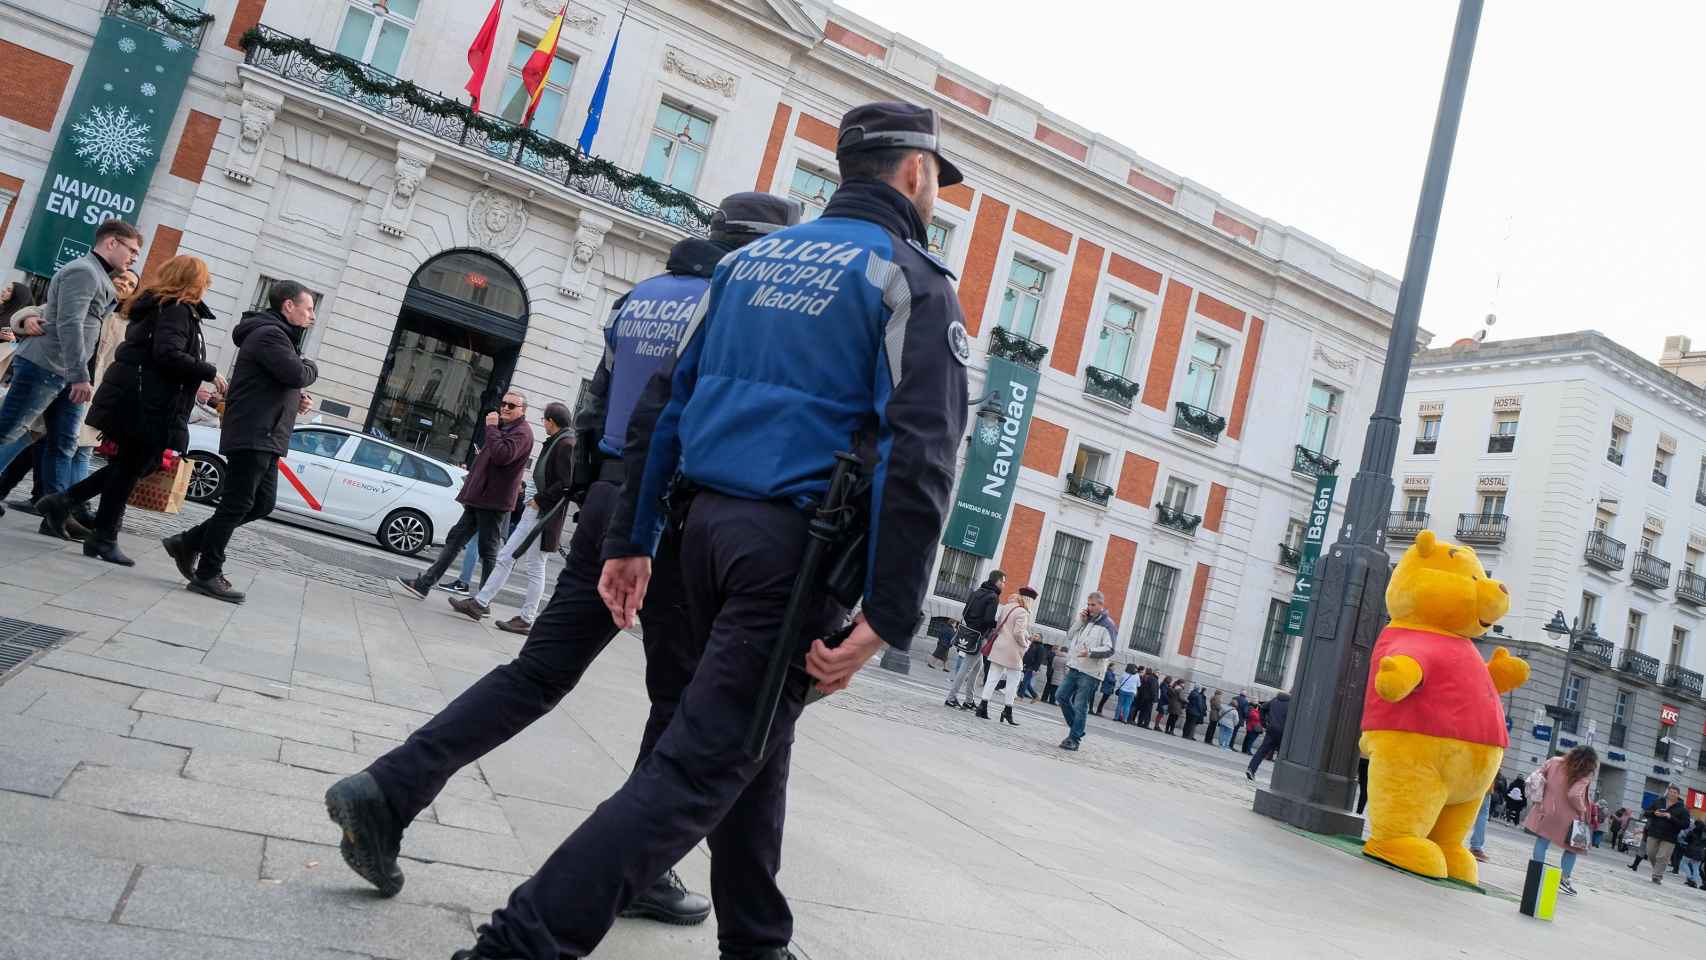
{"points": [[1007, 652], [1562, 803]]}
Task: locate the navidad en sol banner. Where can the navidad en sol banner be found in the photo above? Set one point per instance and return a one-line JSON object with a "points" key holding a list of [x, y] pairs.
{"points": [[992, 463], [110, 141]]}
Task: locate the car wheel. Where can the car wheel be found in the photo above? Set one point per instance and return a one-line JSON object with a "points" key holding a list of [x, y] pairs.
{"points": [[407, 532], [207, 478]]}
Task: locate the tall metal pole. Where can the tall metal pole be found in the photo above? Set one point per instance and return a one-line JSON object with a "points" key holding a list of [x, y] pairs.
{"points": [[1314, 780]]}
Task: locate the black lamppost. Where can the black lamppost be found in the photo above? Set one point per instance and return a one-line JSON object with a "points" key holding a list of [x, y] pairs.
{"points": [[1314, 782], [1575, 634]]}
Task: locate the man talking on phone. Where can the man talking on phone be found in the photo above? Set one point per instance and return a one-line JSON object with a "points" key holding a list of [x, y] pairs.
{"points": [[1088, 651]]}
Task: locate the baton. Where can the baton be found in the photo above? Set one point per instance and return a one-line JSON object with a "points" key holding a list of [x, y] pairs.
{"points": [[826, 525], [538, 528]]}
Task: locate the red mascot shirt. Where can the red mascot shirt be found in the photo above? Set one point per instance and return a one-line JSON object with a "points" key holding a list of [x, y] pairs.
{"points": [[1456, 698]]}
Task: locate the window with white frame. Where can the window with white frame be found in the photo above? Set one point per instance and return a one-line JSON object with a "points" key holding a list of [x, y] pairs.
{"points": [[1589, 609], [1294, 530], [1619, 443], [1179, 495], [676, 152], [1678, 647], [1154, 604], [1276, 646], [1691, 560], [939, 238], [812, 188], [956, 574], [377, 33], [1090, 464], [1492, 505], [1065, 576], [1428, 429], [1661, 467], [1022, 299], [1324, 402], [1633, 630], [1120, 322], [1416, 506], [1202, 375]]}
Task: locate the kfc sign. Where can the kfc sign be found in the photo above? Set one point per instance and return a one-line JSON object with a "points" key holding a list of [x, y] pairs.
{"points": [[1669, 715]]}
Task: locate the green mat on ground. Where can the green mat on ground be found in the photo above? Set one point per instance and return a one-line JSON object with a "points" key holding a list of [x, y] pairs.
{"points": [[1353, 846]]}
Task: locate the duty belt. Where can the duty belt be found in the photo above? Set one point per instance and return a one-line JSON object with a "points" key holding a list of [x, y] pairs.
{"points": [[613, 470]]}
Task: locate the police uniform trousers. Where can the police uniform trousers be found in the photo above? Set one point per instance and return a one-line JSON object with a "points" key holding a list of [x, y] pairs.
{"points": [[739, 559], [572, 631]]}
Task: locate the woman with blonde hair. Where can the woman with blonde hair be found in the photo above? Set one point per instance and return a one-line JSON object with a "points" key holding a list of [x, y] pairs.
{"points": [[1007, 652], [144, 402]]}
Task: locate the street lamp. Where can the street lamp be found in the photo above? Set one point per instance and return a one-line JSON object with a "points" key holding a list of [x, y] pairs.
{"points": [[1576, 634]]}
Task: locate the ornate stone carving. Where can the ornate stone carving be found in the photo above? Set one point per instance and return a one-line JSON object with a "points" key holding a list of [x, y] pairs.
{"points": [[589, 239], [1655, 523], [578, 18], [1667, 443], [411, 171], [700, 74], [1336, 362], [1696, 541], [1623, 422], [495, 220], [256, 117]]}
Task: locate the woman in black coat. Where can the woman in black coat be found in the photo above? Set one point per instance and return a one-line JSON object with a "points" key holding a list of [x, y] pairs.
{"points": [[144, 401]]}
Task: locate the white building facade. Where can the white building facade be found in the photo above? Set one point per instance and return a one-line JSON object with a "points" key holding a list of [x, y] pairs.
{"points": [[1198, 356], [1577, 470]]}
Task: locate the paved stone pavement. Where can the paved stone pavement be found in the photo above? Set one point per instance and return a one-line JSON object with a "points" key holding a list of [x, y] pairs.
{"points": [[161, 773]]}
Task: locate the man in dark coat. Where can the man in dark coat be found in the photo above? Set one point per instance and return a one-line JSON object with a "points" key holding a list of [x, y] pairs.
{"points": [[260, 409], [488, 494], [978, 616], [1273, 731], [1146, 696]]}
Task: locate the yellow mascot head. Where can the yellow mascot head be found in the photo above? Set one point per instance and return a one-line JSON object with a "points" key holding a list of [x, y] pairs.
{"points": [[1442, 587]]}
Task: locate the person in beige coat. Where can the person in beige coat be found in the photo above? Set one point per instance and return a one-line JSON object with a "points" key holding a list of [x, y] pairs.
{"points": [[1007, 652]]}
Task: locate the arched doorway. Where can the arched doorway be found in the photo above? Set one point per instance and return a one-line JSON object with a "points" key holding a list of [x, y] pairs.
{"points": [[457, 339]]}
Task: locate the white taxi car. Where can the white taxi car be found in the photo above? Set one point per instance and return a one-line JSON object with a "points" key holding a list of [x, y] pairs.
{"points": [[342, 481]]}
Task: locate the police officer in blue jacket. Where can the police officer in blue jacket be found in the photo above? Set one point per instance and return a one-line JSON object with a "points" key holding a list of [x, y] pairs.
{"points": [[840, 328], [375, 806]]}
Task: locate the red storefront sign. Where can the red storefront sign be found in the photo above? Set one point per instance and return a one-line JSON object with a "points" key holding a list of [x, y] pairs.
{"points": [[1669, 715], [1696, 799]]}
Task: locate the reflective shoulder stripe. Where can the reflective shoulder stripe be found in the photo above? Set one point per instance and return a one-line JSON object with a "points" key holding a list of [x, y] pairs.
{"points": [[693, 322], [887, 276]]}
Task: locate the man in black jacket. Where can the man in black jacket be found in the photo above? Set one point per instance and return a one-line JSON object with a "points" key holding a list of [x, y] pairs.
{"points": [[1146, 693], [979, 616], [1666, 820], [1273, 731], [260, 409]]}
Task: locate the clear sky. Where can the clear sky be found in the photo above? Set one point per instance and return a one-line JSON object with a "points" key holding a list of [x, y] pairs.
{"points": [[1576, 197]]}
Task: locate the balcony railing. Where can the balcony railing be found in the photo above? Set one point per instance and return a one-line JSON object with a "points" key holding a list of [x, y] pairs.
{"points": [[1681, 678], [1482, 527], [1638, 664], [1691, 588], [1105, 385], [1196, 420], [1597, 651], [1660, 477], [1619, 734], [1501, 443], [1090, 491], [1313, 463], [445, 119], [1604, 550], [1650, 571], [1700, 496], [1614, 455], [1022, 350], [1403, 525], [1185, 523], [180, 21], [1290, 556], [1425, 446]]}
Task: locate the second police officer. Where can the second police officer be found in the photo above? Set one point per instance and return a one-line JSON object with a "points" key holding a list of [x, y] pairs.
{"points": [[840, 327], [375, 806]]}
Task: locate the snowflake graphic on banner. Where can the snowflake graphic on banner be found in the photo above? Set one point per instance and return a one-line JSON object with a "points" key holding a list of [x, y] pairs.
{"points": [[171, 44], [988, 434], [148, 90], [127, 45], [110, 140]]}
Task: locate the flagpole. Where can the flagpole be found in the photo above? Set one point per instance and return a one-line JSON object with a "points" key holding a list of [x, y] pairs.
{"points": [[595, 108]]}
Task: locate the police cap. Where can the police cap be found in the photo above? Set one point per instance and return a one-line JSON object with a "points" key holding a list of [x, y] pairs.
{"points": [[891, 125], [758, 213]]}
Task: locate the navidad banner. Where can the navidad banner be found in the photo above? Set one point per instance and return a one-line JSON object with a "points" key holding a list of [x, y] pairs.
{"points": [[112, 136], [992, 463]]}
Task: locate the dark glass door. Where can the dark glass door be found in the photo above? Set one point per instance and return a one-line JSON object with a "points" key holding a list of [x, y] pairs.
{"points": [[439, 381]]}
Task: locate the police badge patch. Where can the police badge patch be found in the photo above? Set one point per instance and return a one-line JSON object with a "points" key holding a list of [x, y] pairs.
{"points": [[959, 342]]}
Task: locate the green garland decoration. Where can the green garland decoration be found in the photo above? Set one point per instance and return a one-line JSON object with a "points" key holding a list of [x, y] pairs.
{"points": [[1016, 348], [187, 21], [1108, 383], [579, 164]]}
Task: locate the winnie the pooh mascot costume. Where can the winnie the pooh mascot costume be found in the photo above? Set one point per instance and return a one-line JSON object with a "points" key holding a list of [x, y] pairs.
{"points": [[1433, 727]]}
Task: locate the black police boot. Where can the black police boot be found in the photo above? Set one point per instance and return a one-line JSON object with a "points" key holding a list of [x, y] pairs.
{"points": [[668, 900], [983, 709], [371, 834], [1007, 716]]}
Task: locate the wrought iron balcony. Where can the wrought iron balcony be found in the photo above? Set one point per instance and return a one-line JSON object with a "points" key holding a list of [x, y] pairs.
{"points": [[1425, 446], [1403, 525], [1678, 677], [1637, 664], [1604, 551], [1660, 477], [1619, 734], [1482, 527], [1185, 523], [1614, 455], [1290, 556], [1312, 463], [1691, 588], [179, 21], [1022, 350], [1700, 497], [1196, 420], [443, 118], [1597, 651], [1090, 491], [1501, 443], [1105, 385], [1650, 571]]}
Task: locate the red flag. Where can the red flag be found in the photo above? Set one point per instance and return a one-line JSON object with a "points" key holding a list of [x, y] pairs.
{"points": [[538, 67], [480, 54]]}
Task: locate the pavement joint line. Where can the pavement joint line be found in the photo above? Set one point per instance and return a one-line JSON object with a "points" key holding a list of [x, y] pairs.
{"points": [[124, 898]]}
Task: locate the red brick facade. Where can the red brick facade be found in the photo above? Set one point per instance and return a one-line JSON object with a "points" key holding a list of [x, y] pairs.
{"points": [[1236, 228], [1246, 379], [1169, 334], [1134, 273], [1043, 232], [31, 85], [962, 94], [1220, 311], [979, 270], [1137, 480], [773, 147], [1044, 447], [195, 144], [1116, 573], [1193, 613], [247, 14], [1075, 315], [1072, 147], [1216, 506], [1151, 186], [1019, 553], [857, 42], [813, 130], [163, 247]]}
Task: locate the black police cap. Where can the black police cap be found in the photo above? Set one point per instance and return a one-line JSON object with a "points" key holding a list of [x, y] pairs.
{"points": [[755, 213], [891, 125]]}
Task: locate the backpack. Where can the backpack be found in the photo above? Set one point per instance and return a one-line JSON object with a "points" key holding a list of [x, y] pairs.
{"points": [[1535, 785]]}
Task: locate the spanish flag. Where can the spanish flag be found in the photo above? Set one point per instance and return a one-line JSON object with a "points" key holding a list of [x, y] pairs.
{"points": [[538, 67]]}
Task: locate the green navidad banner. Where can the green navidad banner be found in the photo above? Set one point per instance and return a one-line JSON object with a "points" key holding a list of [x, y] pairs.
{"points": [[110, 141], [992, 464], [1320, 511]]}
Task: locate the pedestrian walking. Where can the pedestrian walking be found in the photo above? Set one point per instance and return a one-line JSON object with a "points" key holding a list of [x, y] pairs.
{"points": [[1090, 645], [1596, 821], [1226, 724], [1515, 799], [50, 373], [1477, 834], [1110, 683], [1273, 731], [1007, 651], [553, 470], [1692, 843], [878, 345], [1127, 692], [977, 622], [1034, 655], [1560, 816], [144, 403], [1666, 819], [375, 806], [1056, 673], [1619, 829], [1252, 727], [265, 396]]}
